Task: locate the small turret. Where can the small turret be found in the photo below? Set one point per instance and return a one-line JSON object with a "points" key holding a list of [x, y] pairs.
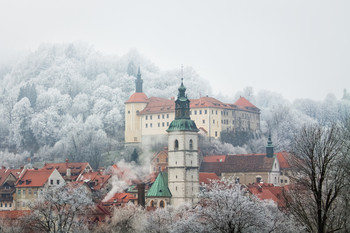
{"points": [[269, 147], [138, 81]]}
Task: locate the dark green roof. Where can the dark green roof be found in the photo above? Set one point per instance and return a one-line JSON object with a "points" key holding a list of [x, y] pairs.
{"points": [[160, 187], [182, 125]]}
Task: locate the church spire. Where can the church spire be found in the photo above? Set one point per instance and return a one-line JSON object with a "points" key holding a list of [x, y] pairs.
{"points": [[269, 147], [138, 81], [182, 120]]}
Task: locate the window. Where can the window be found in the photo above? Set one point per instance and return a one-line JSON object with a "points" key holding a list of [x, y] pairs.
{"points": [[216, 112], [158, 116], [163, 116], [5, 204], [203, 121], [176, 145], [200, 112], [150, 117], [152, 203], [29, 191], [51, 181], [237, 180], [146, 117], [285, 181], [58, 182], [158, 124], [195, 112], [167, 115], [150, 125], [190, 112], [191, 144], [167, 124], [10, 204], [216, 133], [163, 124], [213, 121], [146, 125], [161, 204], [35, 192], [176, 188], [128, 112], [281, 181], [258, 179], [1, 204], [18, 192], [205, 111], [166, 159]]}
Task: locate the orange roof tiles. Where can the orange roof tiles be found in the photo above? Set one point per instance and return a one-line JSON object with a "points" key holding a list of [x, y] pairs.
{"points": [[283, 159], [214, 158], [76, 168], [265, 191], [34, 178], [244, 103], [97, 178], [3, 176], [122, 198], [206, 177], [162, 105], [13, 214], [138, 97]]}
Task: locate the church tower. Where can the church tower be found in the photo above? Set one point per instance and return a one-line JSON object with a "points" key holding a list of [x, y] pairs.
{"points": [[183, 161], [136, 103]]}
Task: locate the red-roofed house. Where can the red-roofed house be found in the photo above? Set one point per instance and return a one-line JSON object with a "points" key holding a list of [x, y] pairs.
{"points": [[285, 167], [120, 199], [69, 171], [150, 117], [32, 183], [159, 161], [245, 168], [7, 189], [267, 192]]}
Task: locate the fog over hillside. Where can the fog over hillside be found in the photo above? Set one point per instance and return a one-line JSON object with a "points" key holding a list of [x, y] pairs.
{"points": [[67, 101]]}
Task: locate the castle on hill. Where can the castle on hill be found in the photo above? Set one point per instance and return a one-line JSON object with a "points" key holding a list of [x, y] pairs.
{"points": [[147, 117]]}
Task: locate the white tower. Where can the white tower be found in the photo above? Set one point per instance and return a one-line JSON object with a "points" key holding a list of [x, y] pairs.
{"points": [[183, 161]]}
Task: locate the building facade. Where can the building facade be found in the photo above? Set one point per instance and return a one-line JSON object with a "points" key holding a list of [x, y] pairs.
{"points": [[150, 117]]}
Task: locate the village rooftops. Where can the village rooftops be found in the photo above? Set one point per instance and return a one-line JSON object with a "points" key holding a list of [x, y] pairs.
{"points": [[75, 169]]}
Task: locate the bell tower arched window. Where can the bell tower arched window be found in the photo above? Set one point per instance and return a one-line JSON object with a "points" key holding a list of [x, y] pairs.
{"points": [[176, 145], [191, 144]]}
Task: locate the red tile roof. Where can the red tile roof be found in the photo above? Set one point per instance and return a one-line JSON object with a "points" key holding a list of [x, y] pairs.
{"points": [[138, 97], [3, 176], [96, 179], [214, 158], [239, 163], [13, 214], [34, 178], [283, 159], [162, 105], [244, 103], [122, 198], [15, 172], [266, 191], [206, 177], [76, 168]]}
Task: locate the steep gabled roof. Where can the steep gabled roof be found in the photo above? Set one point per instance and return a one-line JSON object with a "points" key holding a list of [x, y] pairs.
{"points": [[96, 178], [283, 159], [160, 186], [34, 178], [75, 168], [138, 97], [122, 198], [244, 103], [4, 174]]}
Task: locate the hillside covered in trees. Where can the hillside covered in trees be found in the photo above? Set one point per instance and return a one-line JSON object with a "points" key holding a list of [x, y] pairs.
{"points": [[67, 101]]}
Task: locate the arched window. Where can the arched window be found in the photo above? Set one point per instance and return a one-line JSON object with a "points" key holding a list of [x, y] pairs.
{"points": [[258, 179], [191, 144], [161, 204], [176, 146], [152, 203]]}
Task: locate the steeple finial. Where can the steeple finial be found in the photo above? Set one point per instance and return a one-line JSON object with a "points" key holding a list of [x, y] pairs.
{"points": [[138, 81]]}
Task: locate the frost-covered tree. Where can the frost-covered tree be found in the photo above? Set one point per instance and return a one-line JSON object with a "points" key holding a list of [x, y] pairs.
{"points": [[320, 174], [59, 209]]}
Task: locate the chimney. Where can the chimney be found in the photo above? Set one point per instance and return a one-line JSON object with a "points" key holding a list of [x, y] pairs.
{"points": [[68, 173], [141, 194]]}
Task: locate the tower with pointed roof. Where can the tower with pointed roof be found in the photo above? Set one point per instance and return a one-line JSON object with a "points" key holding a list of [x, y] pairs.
{"points": [[183, 161], [269, 147], [136, 103]]}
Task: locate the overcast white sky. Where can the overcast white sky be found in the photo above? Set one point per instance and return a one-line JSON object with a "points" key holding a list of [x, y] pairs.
{"points": [[300, 49]]}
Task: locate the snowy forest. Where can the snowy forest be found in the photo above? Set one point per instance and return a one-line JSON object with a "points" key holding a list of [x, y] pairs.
{"points": [[67, 101]]}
